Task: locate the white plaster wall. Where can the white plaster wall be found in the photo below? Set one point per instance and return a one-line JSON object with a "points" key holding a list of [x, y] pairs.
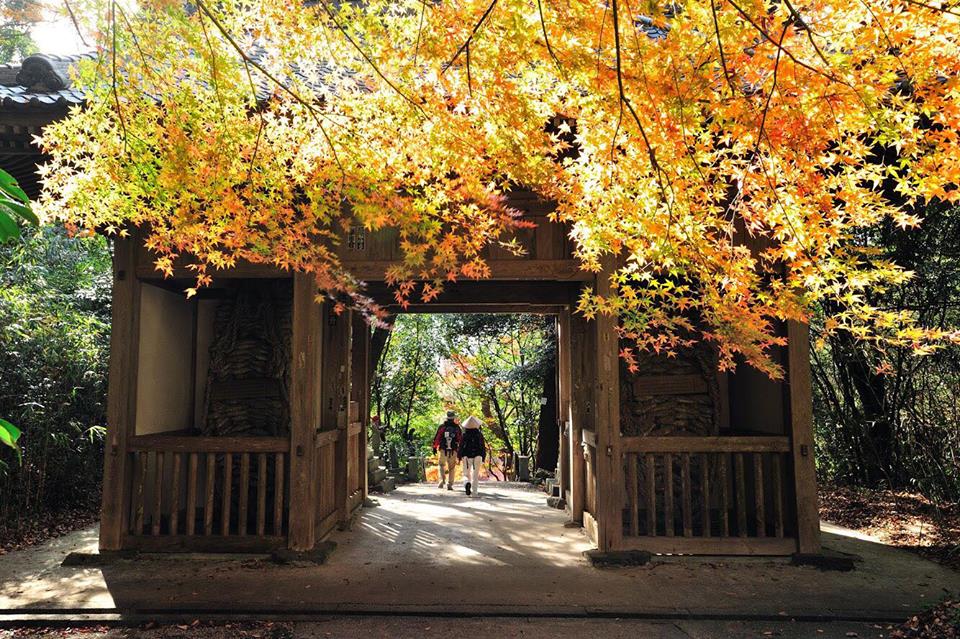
{"points": [[163, 374]]}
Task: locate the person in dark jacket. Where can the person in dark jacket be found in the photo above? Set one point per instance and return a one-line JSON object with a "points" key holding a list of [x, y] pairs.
{"points": [[473, 451], [446, 443]]}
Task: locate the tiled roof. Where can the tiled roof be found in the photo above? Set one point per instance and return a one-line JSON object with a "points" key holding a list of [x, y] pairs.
{"points": [[40, 81]]}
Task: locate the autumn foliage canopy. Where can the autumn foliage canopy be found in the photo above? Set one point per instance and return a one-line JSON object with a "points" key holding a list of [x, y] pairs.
{"points": [[719, 158]]}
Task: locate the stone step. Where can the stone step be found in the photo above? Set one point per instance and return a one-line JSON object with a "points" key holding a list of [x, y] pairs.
{"points": [[376, 476], [373, 463], [385, 485]]}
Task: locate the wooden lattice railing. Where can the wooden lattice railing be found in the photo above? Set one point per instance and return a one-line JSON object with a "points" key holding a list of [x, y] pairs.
{"points": [[186, 490], [716, 495]]}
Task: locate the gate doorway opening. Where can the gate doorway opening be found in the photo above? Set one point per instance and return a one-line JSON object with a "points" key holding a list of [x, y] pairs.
{"points": [[499, 368]]}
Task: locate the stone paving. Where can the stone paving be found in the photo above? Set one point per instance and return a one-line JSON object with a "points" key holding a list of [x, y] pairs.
{"points": [[425, 551]]}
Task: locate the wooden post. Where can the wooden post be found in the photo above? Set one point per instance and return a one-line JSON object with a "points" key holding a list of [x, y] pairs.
{"points": [[609, 465], [581, 415], [304, 412], [336, 401], [122, 392], [361, 372], [570, 450], [801, 429]]}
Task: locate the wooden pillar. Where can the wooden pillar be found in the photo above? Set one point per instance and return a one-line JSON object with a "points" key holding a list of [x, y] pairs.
{"points": [[361, 379], [610, 479], [304, 412], [582, 367], [336, 400], [571, 453], [122, 392], [801, 430]]}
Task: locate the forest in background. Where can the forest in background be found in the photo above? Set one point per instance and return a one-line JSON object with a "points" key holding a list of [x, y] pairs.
{"points": [[497, 367]]}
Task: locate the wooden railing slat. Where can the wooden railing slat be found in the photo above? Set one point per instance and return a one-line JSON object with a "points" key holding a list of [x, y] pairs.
{"points": [[687, 505], [192, 494], [279, 477], [724, 496], [777, 495], [632, 495], [208, 489], [138, 505], [244, 493], [227, 494], [261, 494], [157, 494], [705, 492], [740, 486], [668, 494], [175, 496], [758, 495], [651, 476]]}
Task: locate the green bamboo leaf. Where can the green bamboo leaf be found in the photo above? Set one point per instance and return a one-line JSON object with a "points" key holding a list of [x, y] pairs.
{"points": [[21, 210], [9, 434], [10, 186], [8, 227]]}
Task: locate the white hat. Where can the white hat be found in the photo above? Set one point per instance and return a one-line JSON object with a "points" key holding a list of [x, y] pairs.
{"points": [[472, 422]]}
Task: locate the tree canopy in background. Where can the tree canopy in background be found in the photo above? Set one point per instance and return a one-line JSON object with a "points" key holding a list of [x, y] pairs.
{"points": [[497, 367], [722, 157]]}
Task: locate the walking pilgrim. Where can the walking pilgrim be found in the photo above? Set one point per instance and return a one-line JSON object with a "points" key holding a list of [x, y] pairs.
{"points": [[446, 444], [473, 451]]}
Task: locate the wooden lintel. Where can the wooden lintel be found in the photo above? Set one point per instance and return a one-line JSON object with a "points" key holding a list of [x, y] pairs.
{"points": [[242, 270], [518, 269]]}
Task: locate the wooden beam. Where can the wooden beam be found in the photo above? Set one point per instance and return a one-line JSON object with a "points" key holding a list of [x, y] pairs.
{"points": [[706, 444], [200, 543], [121, 394], [187, 444], [801, 433], [610, 481], [669, 384], [304, 412], [518, 269], [769, 546], [466, 295]]}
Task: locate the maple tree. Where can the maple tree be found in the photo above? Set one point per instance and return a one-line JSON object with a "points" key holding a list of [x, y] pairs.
{"points": [[717, 159]]}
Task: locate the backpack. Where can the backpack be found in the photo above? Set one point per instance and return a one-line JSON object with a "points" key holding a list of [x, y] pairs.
{"points": [[448, 438]]}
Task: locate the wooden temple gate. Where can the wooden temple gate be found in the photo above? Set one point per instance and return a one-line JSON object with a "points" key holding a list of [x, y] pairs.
{"points": [[677, 459]]}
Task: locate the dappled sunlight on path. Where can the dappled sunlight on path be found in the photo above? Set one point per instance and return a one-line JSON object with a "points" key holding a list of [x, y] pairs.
{"points": [[421, 549]]}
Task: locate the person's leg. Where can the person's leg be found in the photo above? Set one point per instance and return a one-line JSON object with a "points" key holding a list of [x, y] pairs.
{"points": [[451, 462], [441, 463], [466, 474], [475, 475]]}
